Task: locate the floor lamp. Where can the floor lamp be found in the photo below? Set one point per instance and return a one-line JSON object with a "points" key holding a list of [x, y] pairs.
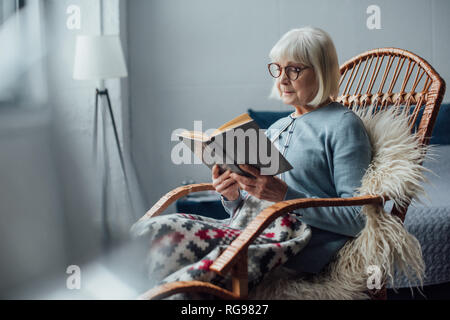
{"points": [[100, 58]]}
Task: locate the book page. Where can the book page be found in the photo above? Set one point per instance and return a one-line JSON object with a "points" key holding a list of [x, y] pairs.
{"points": [[194, 135], [239, 120]]}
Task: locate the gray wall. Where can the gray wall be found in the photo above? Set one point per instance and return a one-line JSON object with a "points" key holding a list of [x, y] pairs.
{"points": [[206, 60]]}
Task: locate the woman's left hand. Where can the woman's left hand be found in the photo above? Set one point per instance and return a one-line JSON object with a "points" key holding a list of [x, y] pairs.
{"points": [[268, 188]]}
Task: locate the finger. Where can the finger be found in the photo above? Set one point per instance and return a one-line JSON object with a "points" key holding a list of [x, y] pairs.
{"points": [[221, 178], [250, 189], [242, 179], [225, 175], [222, 181], [250, 169], [225, 185], [215, 171]]}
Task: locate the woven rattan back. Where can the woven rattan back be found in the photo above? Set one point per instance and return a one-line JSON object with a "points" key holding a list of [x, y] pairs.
{"points": [[394, 77]]}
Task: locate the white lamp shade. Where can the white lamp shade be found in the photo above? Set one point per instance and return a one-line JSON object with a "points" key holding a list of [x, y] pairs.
{"points": [[99, 58]]}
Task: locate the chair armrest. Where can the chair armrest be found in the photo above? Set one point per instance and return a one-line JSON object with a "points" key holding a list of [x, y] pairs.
{"points": [[171, 288], [228, 258], [173, 196]]}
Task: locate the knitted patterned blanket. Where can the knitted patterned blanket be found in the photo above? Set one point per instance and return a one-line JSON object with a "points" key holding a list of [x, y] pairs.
{"points": [[181, 247]]}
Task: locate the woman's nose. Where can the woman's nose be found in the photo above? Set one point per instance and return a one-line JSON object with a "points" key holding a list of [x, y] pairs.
{"points": [[283, 77]]}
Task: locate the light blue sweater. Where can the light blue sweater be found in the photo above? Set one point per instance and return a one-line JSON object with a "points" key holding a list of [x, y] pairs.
{"points": [[330, 151]]}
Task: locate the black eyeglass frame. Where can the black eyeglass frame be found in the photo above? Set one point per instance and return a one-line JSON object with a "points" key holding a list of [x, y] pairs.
{"points": [[298, 70]]}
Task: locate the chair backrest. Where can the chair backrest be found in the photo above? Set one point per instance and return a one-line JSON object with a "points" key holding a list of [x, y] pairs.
{"points": [[394, 77]]}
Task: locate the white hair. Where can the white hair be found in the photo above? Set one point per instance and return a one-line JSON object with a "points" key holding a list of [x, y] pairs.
{"points": [[314, 48]]}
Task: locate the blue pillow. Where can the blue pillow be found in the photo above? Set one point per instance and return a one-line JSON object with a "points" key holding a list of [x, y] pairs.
{"points": [[441, 130], [265, 119], [440, 135]]}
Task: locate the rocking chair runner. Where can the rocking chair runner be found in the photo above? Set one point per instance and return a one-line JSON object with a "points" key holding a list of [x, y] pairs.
{"points": [[418, 73]]}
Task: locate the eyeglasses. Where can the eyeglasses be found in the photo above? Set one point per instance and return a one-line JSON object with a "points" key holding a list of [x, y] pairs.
{"points": [[292, 73]]}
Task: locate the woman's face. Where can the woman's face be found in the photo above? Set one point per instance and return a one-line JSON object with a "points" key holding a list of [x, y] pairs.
{"points": [[301, 91]]}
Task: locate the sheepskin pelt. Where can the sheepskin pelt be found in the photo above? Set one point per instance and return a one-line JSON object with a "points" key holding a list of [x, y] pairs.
{"points": [[384, 244]]}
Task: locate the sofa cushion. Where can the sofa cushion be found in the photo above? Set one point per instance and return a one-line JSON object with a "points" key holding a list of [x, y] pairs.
{"points": [[266, 118], [441, 130]]}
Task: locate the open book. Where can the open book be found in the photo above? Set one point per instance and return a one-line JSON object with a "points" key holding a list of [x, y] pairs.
{"points": [[239, 141]]}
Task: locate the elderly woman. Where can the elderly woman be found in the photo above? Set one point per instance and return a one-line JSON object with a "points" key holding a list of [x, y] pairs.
{"points": [[325, 142], [329, 150]]}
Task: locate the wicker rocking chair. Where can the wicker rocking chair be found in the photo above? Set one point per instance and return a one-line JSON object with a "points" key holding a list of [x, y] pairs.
{"points": [[420, 85]]}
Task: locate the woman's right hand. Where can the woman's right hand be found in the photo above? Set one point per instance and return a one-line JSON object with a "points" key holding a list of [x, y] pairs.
{"points": [[224, 184]]}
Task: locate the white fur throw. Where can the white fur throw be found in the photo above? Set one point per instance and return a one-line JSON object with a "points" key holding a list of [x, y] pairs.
{"points": [[396, 172]]}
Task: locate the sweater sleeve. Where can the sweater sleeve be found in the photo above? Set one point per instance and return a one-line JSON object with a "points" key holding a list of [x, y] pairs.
{"points": [[230, 206], [351, 156]]}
